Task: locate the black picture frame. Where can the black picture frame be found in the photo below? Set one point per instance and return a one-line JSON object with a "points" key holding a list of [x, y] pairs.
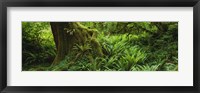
{"points": [[100, 3]]}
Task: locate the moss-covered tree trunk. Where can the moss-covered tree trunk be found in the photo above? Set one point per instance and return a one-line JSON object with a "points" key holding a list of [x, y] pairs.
{"points": [[59, 38], [67, 33]]}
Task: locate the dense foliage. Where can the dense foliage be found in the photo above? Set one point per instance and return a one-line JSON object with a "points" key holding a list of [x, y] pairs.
{"points": [[125, 46]]}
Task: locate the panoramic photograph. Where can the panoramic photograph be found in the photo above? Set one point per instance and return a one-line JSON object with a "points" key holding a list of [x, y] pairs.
{"points": [[99, 46]]}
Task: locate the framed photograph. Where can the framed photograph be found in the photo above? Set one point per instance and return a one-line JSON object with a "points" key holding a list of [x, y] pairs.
{"points": [[136, 46]]}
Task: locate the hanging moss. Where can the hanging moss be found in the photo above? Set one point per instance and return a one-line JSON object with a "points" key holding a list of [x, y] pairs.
{"points": [[84, 35]]}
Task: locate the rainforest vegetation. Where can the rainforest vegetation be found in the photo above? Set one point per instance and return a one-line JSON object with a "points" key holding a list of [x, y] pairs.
{"points": [[100, 46]]}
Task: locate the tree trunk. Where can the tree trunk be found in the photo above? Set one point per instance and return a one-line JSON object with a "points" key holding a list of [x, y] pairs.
{"points": [[59, 38], [67, 33]]}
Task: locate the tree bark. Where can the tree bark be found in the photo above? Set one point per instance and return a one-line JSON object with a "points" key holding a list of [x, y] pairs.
{"points": [[59, 38], [66, 34]]}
